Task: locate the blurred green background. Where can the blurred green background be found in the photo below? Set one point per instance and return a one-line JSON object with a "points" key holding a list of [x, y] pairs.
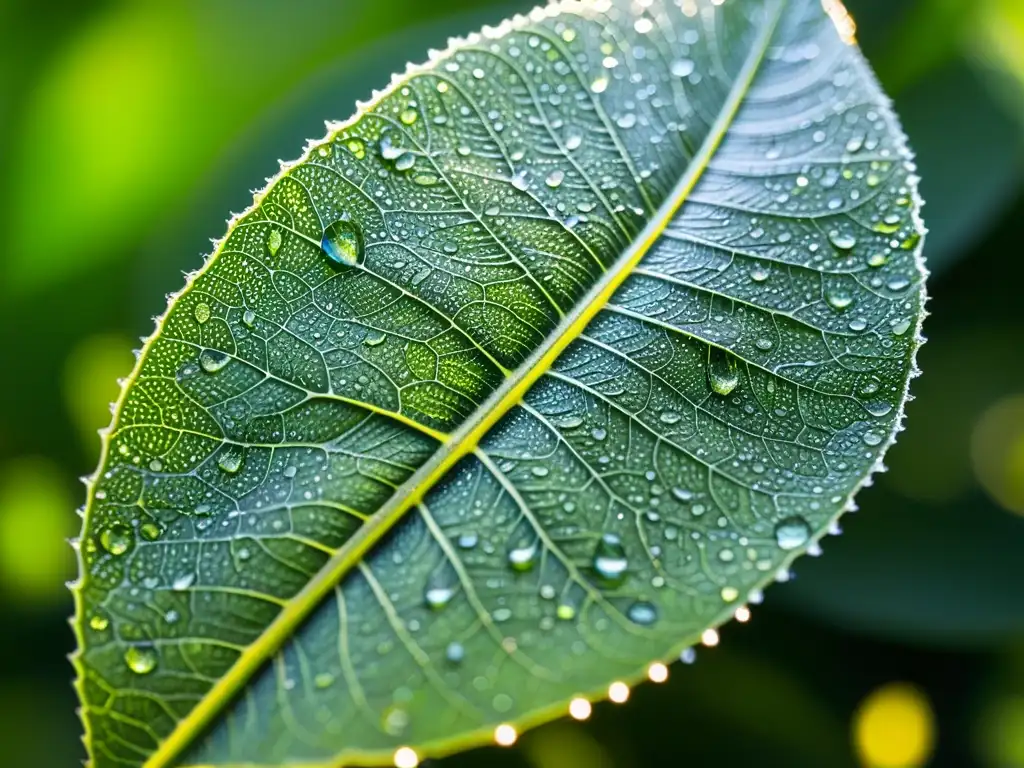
{"points": [[131, 129]]}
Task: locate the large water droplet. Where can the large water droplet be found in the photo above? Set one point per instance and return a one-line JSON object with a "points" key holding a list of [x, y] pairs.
{"points": [[440, 589], [343, 242], [610, 559], [723, 372], [792, 532], [140, 660], [682, 67], [230, 460], [212, 360], [524, 556], [842, 240], [116, 539], [642, 613], [274, 241]]}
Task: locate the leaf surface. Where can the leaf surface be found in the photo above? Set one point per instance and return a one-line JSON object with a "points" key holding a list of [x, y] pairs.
{"points": [[525, 377]]}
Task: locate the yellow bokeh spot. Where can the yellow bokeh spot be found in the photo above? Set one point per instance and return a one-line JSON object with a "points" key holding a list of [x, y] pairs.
{"points": [[894, 728], [36, 519], [997, 452]]}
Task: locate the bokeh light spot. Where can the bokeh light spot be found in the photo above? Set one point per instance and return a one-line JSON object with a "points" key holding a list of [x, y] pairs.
{"points": [[997, 452], [894, 728], [36, 518]]}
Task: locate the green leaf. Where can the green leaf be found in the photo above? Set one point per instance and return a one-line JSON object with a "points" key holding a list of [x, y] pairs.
{"points": [[527, 376]]}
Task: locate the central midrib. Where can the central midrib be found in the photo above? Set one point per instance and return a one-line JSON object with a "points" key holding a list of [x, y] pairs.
{"points": [[465, 439]]}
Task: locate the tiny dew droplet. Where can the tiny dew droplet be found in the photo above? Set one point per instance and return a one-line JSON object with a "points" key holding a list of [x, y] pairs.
{"points": [[792, 532], [409, 116], [150, 531], [99, 623], [274, 241], [249, 318], [324, 680], [343, 242], [723, 371], [565, 612], [455, 652], [600, 85], [212, 360], [140, 660], [202, 312], [116, 539], [555, 179]]}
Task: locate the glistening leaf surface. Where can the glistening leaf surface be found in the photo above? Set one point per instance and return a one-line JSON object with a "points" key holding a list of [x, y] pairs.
{"points": [[520, 380]]}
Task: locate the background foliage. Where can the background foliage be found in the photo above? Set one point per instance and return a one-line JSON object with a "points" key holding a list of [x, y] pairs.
{"points": [[132, 128]]}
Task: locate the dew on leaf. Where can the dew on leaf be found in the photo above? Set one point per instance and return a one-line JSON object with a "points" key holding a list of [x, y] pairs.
{"points": [[723, 371], [140, 659], [342, 242], [116, 539], [792, 532]]}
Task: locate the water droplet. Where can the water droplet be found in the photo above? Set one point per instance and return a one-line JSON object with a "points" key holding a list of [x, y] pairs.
{"points": [[565, 612], [212, 360], [409, 116], [539, 471], [343, 242], [395, 720], [116, 539], [669, 417], [438, 595], [878, 260], [872, 438], [406, 161], [573, 142], [323, 680], [388, 149], [682, 494], [523, 557], [792, 532], [730, 594], [600, 84], [723, 371], [274, 241], [468, 540], [357, 147], [140, 659], [554, 180], [610, 559], [230, 460], [374, 340], [627, 121], [900, 327], [842, 240], [598, 434], [182, 583], [202, 312], [455, 652], [99, 623], [878, 408], [682, 67], [839, 299], [642, 613], [249, 318], [150, 531]]}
